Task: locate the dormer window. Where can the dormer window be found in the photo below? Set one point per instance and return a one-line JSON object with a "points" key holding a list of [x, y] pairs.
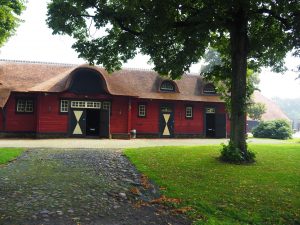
{"points": [[167, 86], [209, 89]]}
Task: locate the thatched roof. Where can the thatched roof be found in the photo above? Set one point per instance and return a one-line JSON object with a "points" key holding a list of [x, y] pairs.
{"points": [[41, 77], [273, 111]]}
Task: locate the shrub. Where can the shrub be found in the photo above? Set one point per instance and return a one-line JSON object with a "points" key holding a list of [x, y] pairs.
{"points": [[277, 129], [233, 155]]}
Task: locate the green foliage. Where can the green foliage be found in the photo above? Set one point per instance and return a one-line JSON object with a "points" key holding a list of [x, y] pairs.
{"points": [[9, 20], [277, 129], [229, 153], [8, 154], [212, 60], [175, 34], [266, 192], [256, 110]]}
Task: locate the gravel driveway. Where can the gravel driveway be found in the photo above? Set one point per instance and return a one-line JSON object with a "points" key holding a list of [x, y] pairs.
{"points": [[118, 143], [49, 186]]}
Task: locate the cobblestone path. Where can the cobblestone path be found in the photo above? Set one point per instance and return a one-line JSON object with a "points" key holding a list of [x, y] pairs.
{"points": [[49, 186]]}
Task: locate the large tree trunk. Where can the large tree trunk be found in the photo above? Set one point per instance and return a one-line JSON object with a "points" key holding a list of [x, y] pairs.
{"points": [[239, 51]]}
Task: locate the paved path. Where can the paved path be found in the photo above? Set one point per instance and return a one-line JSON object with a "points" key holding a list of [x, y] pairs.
{"points": [[65, 187], [116, 143]]}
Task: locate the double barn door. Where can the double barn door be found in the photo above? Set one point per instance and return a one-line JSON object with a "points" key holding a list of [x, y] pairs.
{"points": [[89, 122]]}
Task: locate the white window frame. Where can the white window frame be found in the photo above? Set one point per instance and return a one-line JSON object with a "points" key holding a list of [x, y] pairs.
{"points": [[25, 106], [64, 106], [86, 104], [142, 110], [189, 112]]}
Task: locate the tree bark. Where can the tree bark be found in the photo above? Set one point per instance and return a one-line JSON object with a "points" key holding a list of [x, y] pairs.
{"points": [[239, 51]]}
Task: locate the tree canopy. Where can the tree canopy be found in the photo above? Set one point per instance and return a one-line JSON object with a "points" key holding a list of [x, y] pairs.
{"points": [[212, 60], [256, 110], [247, 34], [9, 20]]}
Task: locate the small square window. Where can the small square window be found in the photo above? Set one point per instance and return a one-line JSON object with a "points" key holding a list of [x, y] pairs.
{"points": [[142, 110], [64, 105], [106, 105], [24, 105], [189, 112]]}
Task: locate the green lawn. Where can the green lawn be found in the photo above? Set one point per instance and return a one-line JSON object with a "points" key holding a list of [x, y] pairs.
{"points": [[8, 154], [267, 192]]}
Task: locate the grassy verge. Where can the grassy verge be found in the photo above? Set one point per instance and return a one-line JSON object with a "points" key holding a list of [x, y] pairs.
{"points": [[267, 192], [8, 154], [294, 140]]}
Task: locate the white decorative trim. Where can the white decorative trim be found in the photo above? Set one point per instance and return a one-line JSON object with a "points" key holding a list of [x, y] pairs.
{"points": [[86, 104]]}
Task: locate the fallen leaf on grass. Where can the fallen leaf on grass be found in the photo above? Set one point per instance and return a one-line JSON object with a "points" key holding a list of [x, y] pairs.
{"points": [[145, 182], [164, 199], [182, 210]]}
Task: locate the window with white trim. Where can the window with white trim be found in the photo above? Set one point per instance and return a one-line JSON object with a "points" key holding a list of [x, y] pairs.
{"points": [[142, 110], [189, 112], [25, 105], [106, 105], [64, 106], [86, 104]]}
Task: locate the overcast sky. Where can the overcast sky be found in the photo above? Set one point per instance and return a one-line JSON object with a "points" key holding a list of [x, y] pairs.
{"points": [[35, 42]]}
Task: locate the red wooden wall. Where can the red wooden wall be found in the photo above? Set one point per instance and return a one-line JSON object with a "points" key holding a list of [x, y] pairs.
{"points": [[19, 121], [148, 124], [185, 125], [119, 115], [48, 119], [182, 125], [51, 120]]}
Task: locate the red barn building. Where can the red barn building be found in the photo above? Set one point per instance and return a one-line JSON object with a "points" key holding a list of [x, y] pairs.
{"points": [[51, 100]]}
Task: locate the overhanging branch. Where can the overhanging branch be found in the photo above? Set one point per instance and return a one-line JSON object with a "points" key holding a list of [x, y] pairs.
{"points": [[281, 19], [125, 28]]}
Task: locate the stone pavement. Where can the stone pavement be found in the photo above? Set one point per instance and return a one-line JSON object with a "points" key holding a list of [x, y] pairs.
{"points": [[67, 187], [117, 143]]}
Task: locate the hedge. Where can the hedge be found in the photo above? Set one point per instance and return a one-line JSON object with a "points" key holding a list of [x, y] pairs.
{"points": [[276, 129]]}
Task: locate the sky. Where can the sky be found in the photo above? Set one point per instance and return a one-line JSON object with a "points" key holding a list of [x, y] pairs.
{"points": [[34, 41]]}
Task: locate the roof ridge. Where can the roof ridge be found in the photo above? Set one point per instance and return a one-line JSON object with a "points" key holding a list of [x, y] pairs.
{"points": [[66, 64], [73, 64], [151, 70], [37, 62], [137, 69]]}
